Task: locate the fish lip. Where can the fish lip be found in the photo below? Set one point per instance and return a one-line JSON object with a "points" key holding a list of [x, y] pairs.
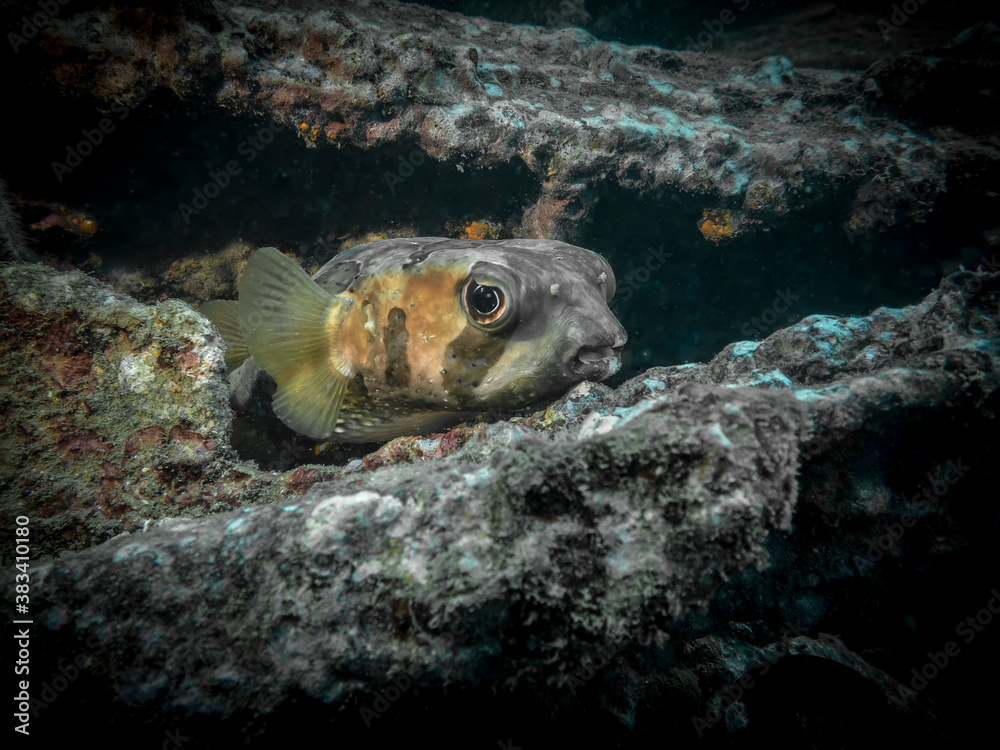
{"points": [[597, 362]]}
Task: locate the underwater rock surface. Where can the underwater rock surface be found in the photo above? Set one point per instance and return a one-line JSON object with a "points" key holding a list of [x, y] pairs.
{"points": [[645, 527], [113, 410], [759, 140]]}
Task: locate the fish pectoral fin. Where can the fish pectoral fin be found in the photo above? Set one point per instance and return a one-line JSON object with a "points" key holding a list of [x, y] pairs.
{"points": [[292, 329], [310, 401], [225, 315]]}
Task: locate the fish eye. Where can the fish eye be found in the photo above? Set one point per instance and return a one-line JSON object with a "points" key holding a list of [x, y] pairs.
{"points": [[486, 304], [486, 299]]}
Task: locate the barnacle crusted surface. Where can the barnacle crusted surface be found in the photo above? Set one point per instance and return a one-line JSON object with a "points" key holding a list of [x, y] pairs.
{"points": [[540, 541], [667, 506], [114, 412], [580, 112]]}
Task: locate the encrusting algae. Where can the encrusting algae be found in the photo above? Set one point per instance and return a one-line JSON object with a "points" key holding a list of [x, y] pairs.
{"points": [[717, 225]]}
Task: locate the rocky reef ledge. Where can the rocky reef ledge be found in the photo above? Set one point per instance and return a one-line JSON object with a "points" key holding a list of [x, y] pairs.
{"points": [[756, 142], [821, 500]]}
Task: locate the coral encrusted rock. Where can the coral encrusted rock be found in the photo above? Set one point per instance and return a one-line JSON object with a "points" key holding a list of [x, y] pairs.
{"points": [[636, 527]]}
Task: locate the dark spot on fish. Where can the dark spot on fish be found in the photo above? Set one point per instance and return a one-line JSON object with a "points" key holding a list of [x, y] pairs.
{"points": [[469, 352], [339, 276], [357, 387], [396, 338], [414, 258]]}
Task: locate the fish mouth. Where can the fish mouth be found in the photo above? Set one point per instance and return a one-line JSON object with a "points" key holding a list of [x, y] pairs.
{"points": [[597, 362]]}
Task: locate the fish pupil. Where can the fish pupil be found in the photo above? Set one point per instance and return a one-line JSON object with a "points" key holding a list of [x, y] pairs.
{"points": [[485, 299]]}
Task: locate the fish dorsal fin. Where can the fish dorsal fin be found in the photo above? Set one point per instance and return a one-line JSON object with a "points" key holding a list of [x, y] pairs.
{"points": [[225, 314], [292, 329]]}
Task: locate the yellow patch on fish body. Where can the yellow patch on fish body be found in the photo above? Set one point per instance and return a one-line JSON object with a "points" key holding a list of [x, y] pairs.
{"points": [[405, 335]]}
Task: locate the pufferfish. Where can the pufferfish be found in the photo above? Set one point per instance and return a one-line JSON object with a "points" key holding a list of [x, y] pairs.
{"points": [[405, 336]]}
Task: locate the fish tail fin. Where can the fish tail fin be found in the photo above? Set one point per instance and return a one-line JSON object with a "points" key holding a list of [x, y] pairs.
{"points": [[292, 330], [225, 314]]}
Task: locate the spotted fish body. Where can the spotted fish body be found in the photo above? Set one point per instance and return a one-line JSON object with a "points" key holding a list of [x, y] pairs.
{"points": [[402, 336]]}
